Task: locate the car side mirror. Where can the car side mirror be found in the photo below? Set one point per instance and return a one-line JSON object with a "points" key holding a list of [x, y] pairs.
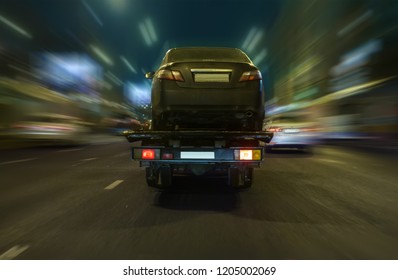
{"points": [[150, 75]]}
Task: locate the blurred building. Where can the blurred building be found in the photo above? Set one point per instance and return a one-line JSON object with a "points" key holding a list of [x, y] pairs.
{"points": [[337, 60]]}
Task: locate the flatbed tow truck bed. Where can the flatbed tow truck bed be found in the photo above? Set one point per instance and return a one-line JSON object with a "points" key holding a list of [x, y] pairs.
{"points": [[167, 153]]}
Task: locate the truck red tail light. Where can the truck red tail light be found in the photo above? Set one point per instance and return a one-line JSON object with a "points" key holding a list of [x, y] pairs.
{"points": [[173, 75], [250, 76], [148, 154]]}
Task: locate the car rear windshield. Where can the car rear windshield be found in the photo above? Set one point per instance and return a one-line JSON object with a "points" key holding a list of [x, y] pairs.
{"points": [[205, 54]]}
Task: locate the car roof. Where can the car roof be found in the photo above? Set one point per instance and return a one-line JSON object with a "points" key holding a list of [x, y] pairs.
{"points": [[224, 54]]}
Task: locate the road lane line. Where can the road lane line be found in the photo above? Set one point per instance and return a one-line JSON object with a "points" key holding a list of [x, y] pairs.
{"points": [[330, 160], [83, 161], [69, 150], [13, 252], [114, 185], [88, 159], [17, 161]]}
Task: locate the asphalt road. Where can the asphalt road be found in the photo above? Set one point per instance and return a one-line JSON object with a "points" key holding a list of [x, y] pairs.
{"points": [[91, 202]]}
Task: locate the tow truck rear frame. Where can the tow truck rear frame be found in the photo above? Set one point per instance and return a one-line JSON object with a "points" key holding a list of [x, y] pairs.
{"points": [[168, 153]]}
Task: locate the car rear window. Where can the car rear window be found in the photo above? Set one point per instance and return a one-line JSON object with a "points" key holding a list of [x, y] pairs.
{"points": [[205, 54]]}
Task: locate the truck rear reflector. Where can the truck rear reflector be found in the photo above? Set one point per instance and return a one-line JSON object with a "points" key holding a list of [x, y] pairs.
{"points": [[167, 156]]}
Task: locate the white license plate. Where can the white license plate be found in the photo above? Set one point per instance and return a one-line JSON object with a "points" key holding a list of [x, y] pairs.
{"points": [[197, 155], [211, 77]]}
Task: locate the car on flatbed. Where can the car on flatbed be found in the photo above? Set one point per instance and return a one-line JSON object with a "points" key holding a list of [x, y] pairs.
{"points": [[207, 88]]}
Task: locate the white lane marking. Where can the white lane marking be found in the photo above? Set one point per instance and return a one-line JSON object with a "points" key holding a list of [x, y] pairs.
{"points": [[83, 161], [330, 160], [13, 252], [88, 159], [16, 161], [69, 150], [114, 185]]}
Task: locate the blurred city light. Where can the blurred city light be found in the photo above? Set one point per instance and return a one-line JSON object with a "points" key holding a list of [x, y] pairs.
{"points": [[91, 11], [127, 63], [335, 60], [15, 27], [113, 78], [102, 55], [148, 32]]}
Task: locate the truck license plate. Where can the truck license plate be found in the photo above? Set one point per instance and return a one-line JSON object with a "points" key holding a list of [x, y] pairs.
{"points": [[197, 155]]}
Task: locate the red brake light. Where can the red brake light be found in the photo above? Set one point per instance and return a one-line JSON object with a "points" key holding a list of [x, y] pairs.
{"points": [[173, 75], [148, 154], [250, 76]]}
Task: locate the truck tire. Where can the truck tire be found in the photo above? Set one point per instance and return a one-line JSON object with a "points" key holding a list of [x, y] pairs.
{"points": [[166, 176], [248, 177], [240, 178], [233, 177], [159, 178], [151, 177]]}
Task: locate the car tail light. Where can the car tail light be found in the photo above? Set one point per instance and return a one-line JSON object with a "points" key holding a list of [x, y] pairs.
{"points": [[247, 154], [173, 75], [250, 76], [275, 129]]}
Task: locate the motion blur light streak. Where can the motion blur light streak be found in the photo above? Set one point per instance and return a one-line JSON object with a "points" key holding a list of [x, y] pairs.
{"points": [[15, 27], [91, 11], [112, 76], [127, 63], [118, 5], [249, 37], [256, 39], [367, 15], [145, 34], [260, 57], [151, 29], [24, 71], [102, 55]]}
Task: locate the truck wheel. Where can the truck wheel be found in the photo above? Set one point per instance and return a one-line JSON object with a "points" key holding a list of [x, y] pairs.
{"points": [[160, 178], [234, 177], [240, 178], [151, 177], [248, 177], [166, 176]]}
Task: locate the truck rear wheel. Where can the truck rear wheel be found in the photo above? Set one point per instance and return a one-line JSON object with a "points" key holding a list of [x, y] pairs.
{"points": [[166, 176], [240, 178], [159, 177], [151, 177]]}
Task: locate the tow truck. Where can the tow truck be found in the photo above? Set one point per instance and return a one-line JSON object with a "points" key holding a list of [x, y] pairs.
{"points": [[165, 154]]}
